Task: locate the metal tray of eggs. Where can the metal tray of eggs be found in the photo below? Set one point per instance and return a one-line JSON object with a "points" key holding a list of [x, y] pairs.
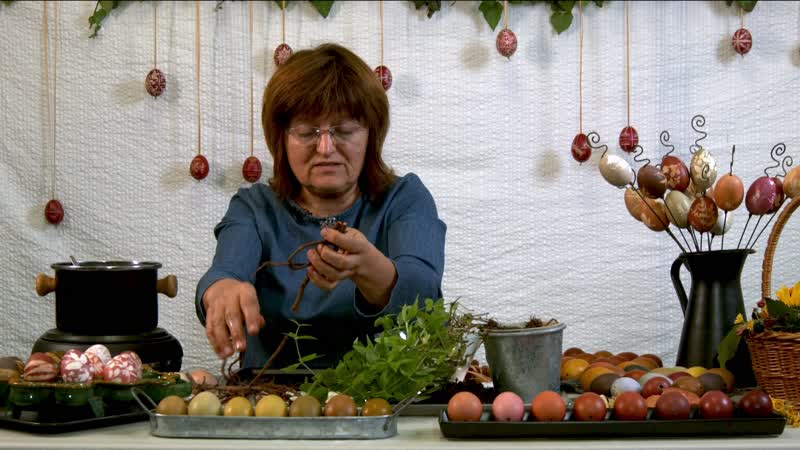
{"points": [[252, 427]]}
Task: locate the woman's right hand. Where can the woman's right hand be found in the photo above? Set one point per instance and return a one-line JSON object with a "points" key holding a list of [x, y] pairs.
{"points": [[230, 306]]}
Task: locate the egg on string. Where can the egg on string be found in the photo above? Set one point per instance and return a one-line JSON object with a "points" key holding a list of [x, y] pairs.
{"points": [[251, 169], [628, 139], [615, 170], [676, 172], [655, 217], [155, 83], [761, 196], [722, 220], [634, 204], [581, 150], [703, 214], [678, 205], [742, 41], [199, 167], [385, 76], [506, 42], [729, 192], [282, 53], [791, 184], [652, 181], [54, 212], [703, 170]]}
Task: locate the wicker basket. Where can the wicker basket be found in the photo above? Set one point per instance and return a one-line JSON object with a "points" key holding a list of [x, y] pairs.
{"points": [[776, 355]]}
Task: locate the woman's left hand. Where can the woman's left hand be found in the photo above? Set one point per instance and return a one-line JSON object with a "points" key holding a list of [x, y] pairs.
{"points": [[329, 266]]}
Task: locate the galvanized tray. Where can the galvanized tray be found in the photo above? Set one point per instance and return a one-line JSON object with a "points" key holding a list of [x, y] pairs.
{"points": [[221, 427]]}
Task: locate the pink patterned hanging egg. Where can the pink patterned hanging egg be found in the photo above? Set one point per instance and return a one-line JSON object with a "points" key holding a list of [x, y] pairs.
{"points": [[628, 139], [742, 41], [54, 212], [282, 53], [199, 167], [581, 150], [155, 83], [385, 75], [251, 169], [506, 42]]}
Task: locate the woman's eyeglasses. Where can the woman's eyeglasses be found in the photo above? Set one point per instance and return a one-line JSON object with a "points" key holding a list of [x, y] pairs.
{"points": [[340, 134]]}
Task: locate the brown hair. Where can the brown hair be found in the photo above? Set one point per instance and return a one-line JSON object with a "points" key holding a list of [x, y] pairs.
{"points": [[326, 80]]}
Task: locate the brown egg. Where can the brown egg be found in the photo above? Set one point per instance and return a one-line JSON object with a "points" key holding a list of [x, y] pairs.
{"points": [[653, 357], [602, 383], [589, 407], [761, 196], [376, 407], [655, 216], [791, 184], [548, 406], [690, 384], [573, 351], [305, 406], [676, 173], [634, 204], [703, 214], [651, 181], [341, 405], [672, 406], [712, 382], [172, 405], [464, 407], [603, 354], [729, 192], [627, 356]]}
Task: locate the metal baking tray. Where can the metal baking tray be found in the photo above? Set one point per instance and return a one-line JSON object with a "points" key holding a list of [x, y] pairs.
{"points": [[221, 427], [693, 427], [36, 425]]}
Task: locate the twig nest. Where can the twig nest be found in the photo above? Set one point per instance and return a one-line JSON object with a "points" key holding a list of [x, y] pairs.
{"points": [[628, 139], [615, 170], [506, 42], [703, 214], [282, 53], [581, 150], [791, 184], [155, 83], [729, 192], [251, 169], [703, 170], [742, 41], [54, 212], [676, 172], [652, 182], [655, 217], [634, 204], [722, 220], [199, 167], [385, 76], [678, 205], [762, 196]]}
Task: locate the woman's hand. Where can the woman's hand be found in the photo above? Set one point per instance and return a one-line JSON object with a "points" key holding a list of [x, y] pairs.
{"points": [[230, 305], [357, 259]]}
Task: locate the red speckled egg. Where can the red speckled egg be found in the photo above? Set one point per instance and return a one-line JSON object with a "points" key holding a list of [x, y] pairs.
{"points": [[41, 367], [199, 167], [630, 406], [729, 192], [101, 351], [385, 76], [251, 169], [589, 407], [628, 139], [54, 212], [703, 214], [761, 196], [676, 172], [282, 53], [652, 181], [742, 41], [75, 367], [95, 365], [581, 150], [508, 407], [122, 369], [506, 42], [155, 83]]}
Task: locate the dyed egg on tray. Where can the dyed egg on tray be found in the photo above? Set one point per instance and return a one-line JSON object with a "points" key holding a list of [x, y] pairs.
{"points": [[75, 367], [41, 367]]}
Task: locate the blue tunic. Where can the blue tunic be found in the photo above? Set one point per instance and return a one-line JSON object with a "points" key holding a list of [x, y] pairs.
{"points": [[258, 227]]}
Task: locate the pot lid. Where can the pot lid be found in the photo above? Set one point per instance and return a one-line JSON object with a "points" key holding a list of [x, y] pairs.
{"points": [[106, 265]]}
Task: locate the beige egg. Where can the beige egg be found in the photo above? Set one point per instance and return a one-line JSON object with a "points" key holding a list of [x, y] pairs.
{"points": [[615, 170], [655, 218], [678, 205], [717, 230], [634, 204], [791, 184], [703, 178], [271, 406]]}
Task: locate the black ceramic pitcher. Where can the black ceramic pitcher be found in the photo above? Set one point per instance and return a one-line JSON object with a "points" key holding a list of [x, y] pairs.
{"points": [[711, 308]]}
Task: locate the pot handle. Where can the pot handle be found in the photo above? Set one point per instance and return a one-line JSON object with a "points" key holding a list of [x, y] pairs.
{"points": [[675, 272], [45, 284], [167, 286]]}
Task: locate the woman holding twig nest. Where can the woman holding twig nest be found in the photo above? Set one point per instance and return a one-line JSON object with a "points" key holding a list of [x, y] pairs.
{"points": [[369, 241]]}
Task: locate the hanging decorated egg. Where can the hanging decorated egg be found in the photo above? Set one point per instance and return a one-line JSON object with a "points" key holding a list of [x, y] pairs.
{"points": [[581, 150], [506, 42], [742, 41], [729, 192], [651, 181], [155, 83], [54, 212], [779, 195], [676, 172], [722, 220], [761, 196], [791, 184], [282, 53], [251, 169], [615, 170], [628, 139], [703, 214], [703, 170], [655, 216], [678, 205], [634, 204], [385, 76], [199, 167]]}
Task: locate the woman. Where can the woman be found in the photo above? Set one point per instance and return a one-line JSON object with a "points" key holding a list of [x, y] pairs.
{"points": [[325, 117]]}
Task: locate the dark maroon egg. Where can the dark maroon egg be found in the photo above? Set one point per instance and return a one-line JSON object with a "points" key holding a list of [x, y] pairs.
{"points": [[54, 212], [756, 404], [199, 167], [676, 172], [385, 76], [761, 196], [780, 196], [673, 406], [742, 41], [155, 83], [630, 406], [716, 405], [628, 139], [251, 169], [652, 181], [703, 214], [506, 42], [282, 53], [581, 150], [589, 407]]}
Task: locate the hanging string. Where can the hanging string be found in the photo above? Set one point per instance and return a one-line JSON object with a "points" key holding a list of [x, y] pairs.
{"points": [[283, 23], [197, 79], [252, 149], [381, 32], [51, 112], [580, 69], [628, 52], [741, 17], [155, 34], [505, 12]]}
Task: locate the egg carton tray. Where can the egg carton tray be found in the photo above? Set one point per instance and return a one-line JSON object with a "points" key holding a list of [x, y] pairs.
{"points": [[231, 427], [695, 426]]}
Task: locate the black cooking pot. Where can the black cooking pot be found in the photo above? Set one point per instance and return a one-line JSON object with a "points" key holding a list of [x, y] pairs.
{"points": [[106, 297]]}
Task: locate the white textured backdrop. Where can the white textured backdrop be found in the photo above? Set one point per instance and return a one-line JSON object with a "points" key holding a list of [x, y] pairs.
{"points": [[529, 230]]}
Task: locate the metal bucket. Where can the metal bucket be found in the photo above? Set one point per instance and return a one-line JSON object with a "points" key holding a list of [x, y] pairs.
{"points": [[525, 361]]}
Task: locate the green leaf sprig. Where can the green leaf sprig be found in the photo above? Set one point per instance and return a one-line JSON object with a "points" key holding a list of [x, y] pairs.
{"points": [[746, 5]]}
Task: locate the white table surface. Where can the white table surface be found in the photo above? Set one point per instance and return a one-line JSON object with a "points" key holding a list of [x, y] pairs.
{"points": [[413, 433]]}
